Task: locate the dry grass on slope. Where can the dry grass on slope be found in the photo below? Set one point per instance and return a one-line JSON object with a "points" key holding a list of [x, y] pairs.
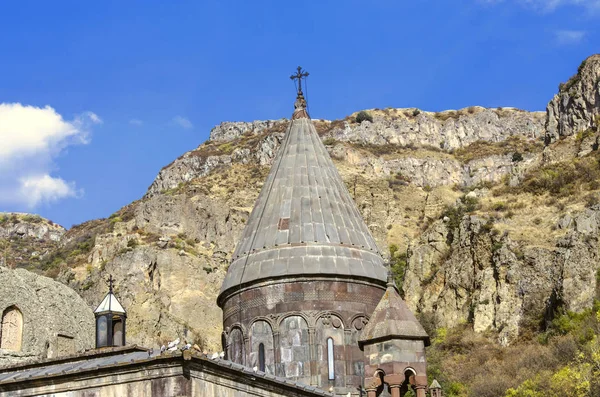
{"points": [[515, 145]]}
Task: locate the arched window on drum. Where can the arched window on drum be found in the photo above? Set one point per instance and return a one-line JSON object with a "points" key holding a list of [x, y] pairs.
{"points": [[262, 352], [236, 350]]}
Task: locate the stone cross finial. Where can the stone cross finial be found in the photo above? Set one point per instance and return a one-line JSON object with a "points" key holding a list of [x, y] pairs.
{"points": [[299, 75], [110, 281]]}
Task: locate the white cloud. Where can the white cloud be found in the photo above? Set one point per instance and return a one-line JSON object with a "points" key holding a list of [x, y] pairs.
{"points": [[564, 37], [136, 122], [32, 138], [36, 189], [182, 122]]}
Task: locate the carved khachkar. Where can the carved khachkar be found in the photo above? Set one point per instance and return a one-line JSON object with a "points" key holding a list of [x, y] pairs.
{"points": [[11, 334]]}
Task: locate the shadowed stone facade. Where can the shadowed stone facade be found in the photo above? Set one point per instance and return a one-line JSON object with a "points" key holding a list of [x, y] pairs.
{"points": [[303, 313]]}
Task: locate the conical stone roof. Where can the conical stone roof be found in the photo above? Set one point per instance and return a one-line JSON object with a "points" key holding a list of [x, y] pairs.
{"points": [[304, 221], [435, 385], [392, 319]]}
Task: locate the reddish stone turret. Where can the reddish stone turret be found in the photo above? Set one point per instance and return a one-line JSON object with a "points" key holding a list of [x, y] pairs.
{"points": [[394, 348]]}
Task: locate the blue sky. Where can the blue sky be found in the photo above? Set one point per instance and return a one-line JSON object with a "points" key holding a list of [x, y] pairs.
{"points": [[96, 97]]}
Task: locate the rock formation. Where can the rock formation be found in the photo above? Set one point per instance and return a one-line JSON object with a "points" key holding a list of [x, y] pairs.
{"points": [[575, 107], [48, 319], [26, 239], [498, 216]]}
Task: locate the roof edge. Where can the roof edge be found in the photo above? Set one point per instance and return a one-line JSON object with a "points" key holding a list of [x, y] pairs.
{"points": [[181, 358], [364, 342], [106, 351]]}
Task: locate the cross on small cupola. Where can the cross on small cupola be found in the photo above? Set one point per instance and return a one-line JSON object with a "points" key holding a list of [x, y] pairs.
{"points": [[110, 319]]}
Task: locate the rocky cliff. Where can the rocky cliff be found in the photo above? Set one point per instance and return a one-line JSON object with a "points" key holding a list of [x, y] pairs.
{"points": [[26, 239], [491, 214], [576, 105]]}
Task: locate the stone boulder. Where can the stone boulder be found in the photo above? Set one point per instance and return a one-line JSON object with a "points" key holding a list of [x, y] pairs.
{"points": [[42, 318]]}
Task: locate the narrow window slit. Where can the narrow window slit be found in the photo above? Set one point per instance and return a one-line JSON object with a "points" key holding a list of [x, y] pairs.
{"points": [[330, 359]]}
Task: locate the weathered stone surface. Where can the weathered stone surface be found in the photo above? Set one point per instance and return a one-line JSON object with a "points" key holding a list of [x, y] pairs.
{"points": [[577, 103], [135, 372], [228, 131], [337, 309], [442, 131], [445, 130], [26, 225], [192, 165], [166, 295], [42, 300], [26, 238], [489, 281]]}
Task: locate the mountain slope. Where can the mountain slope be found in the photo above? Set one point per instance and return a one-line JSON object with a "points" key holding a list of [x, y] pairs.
{"points": [[490, 217]]}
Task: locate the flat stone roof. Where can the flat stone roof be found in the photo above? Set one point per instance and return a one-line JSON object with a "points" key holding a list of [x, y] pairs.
{"points": [[94, 360]]}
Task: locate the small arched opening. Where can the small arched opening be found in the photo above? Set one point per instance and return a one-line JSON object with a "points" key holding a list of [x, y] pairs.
{"points": [[261, 357], [117, 325], [383, 390], [407, 389], [262, 352]]}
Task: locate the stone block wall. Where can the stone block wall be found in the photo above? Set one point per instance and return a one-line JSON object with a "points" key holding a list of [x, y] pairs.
{"points": [[296, 317]]}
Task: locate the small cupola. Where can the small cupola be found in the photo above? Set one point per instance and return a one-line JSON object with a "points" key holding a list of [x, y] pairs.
{"points": [[435, 390], [110, 320], [393, 342]]}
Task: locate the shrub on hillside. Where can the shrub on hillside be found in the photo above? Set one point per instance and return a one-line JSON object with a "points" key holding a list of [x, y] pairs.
{"points": [[562, 179], [516, 157], [398, 266], [362, 116]]}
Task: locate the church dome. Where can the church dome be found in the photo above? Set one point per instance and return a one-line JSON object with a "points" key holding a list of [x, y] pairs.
{"points": [[304, 221]]}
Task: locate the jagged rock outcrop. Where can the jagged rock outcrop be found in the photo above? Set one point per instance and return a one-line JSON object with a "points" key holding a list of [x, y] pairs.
{"points": [[199, 163], [168, 293], [26, 225], [229, 131], [575, 107], [471, 274], [54, 320], [26, 239], [440, 133], [446, 130]]}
